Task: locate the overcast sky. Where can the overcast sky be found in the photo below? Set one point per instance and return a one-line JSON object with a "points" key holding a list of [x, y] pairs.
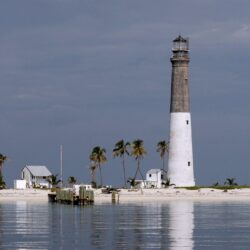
{"points": [[83, 73]]}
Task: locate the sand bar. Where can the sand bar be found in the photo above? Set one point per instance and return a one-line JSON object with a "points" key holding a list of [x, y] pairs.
{"points": [[158, 195], [26, 194]]}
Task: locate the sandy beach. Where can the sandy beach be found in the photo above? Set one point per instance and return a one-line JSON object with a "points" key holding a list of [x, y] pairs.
{"points": [[27, 194], [138, 195], [156, 195]]}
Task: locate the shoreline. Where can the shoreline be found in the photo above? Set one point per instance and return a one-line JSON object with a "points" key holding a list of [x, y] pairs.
{"points": [[138, 195]]}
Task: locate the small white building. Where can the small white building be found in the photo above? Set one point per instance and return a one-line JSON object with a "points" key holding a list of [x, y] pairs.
{"points": [[154, 178], [20, 184], [36, 176]]}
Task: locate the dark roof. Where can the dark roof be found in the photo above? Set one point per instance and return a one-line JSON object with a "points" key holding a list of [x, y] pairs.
{"points": [[180, 39]]}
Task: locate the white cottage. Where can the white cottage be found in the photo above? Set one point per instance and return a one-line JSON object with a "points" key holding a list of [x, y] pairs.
{"points": [[36, 176], [154, 178]]}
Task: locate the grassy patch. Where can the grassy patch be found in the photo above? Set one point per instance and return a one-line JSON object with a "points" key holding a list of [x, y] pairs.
{"points": [[229, 187], [215, 187], [193, 188], [190, 188]]}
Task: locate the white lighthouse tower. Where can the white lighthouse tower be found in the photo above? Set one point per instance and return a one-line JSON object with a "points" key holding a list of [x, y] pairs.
{"points": [[180, 161]]}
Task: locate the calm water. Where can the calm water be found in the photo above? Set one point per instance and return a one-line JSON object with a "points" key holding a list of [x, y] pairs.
{"points": [[172, 225]]}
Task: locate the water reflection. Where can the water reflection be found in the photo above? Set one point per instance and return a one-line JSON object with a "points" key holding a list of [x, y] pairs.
{"points": [[20, 229], [166, 225], [126, 226], [1, 225], [155, 226], [24, 225], [181, 225]]}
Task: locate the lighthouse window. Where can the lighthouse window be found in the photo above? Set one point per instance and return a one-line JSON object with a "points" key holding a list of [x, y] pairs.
{"points": [[189, 163], [187, 121]]}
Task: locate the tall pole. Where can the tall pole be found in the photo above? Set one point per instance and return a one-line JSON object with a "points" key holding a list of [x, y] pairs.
{"points": [[61, 165], [180, 160]]}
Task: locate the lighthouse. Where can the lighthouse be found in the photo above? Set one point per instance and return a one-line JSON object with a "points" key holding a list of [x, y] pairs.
{"points": [[180, 160]]}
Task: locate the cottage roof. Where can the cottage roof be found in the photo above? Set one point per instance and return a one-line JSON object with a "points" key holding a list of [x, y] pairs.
{"points": [[39, 170], [154, 171]]}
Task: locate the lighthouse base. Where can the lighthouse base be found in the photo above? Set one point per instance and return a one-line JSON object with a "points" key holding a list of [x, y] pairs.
{"points": [[180, 160]]}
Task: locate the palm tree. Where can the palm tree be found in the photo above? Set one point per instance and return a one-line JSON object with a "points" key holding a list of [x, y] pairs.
{"points": [[98, 156], [138, 151], [71, 180], [53, 180], [3, 158], [230, 182], [162, 148], [120, 150]]}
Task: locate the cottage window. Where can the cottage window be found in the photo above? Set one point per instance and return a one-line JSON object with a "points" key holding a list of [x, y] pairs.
{"points": [[187, 121], [150, 175], [189, 163]]}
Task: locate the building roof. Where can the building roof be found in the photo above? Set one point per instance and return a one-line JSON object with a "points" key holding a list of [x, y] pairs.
{"points": [[39, 170], [154, 171]]}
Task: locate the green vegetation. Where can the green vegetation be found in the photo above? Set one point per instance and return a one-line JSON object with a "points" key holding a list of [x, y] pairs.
{"points": [[166, 183], [228, 185], [3, 158], [54, 189], [230, 182], [131, 181], [53, 180], [2, 183], [120, 150], [71, 180], [193, 188]]}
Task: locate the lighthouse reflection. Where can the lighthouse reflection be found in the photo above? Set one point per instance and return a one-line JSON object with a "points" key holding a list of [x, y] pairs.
{"points": [[181, 225], [160, 225], [171, 224]]}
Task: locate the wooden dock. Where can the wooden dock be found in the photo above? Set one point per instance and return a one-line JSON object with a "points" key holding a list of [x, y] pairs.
{"points": [[68, 196]]}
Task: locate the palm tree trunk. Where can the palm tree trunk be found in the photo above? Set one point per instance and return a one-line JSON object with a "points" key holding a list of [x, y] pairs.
{"points": [[124, 171], [163, 163], [1, 171], [93, 177], [142, 177], [99, 165], [2, 183], [137, 169]]}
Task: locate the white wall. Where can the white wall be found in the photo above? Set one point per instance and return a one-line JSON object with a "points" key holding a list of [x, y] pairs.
{"points": [[155, 178], [180, 160], [26, 175], [19, 184]]}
